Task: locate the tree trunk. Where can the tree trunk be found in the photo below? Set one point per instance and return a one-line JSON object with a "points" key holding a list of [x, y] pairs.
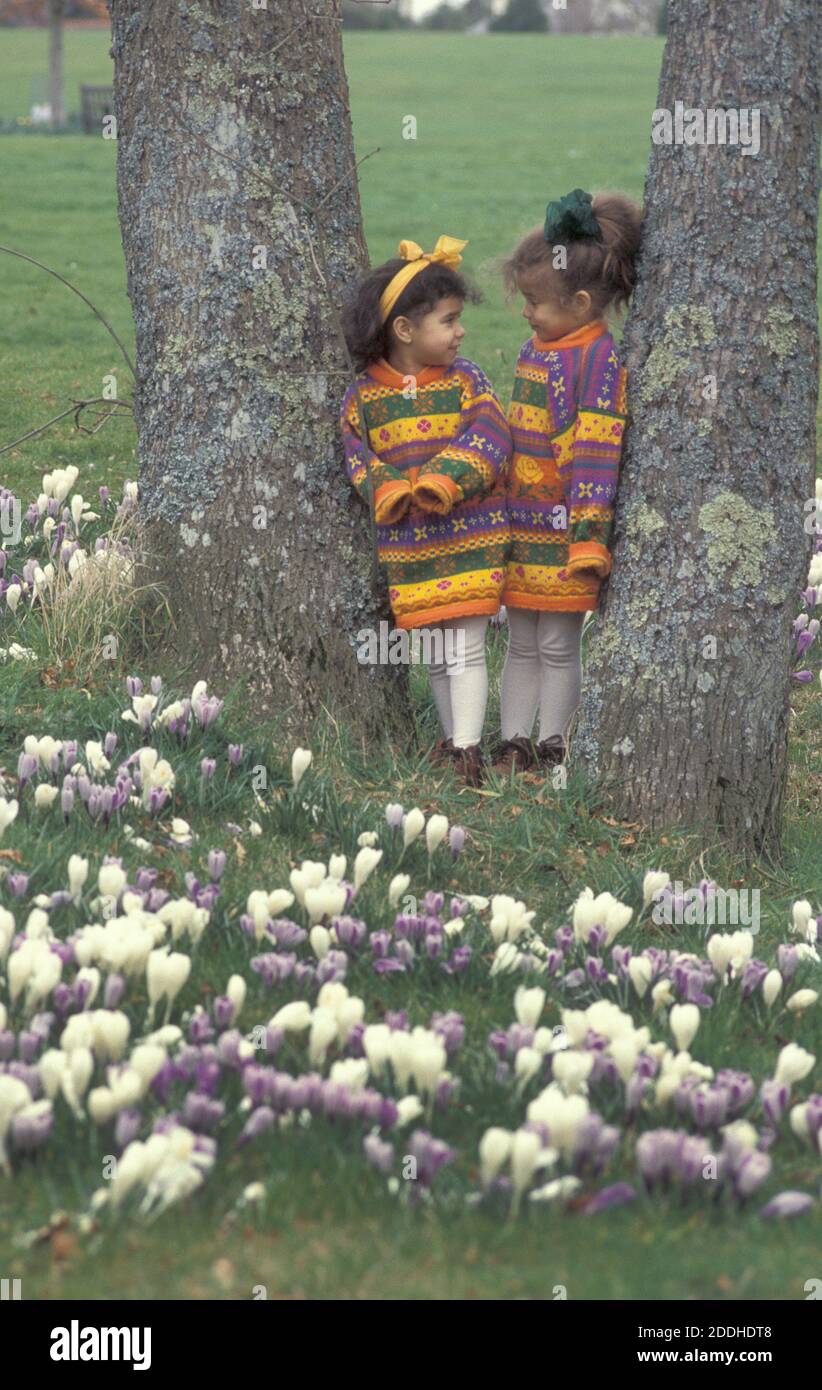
{"points": [[684, 715], [233, 124], [56, 98]]}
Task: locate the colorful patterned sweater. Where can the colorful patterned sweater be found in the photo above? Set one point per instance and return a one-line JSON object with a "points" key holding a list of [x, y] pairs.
{"points": [[439, 474], [567, 416]]}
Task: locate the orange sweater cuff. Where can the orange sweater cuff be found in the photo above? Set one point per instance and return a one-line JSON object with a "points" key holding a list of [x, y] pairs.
{"points": [[436, 492], [588, 555], [391, 501]]}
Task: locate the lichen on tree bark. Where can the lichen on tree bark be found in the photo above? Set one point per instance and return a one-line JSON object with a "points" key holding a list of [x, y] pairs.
{"points": [[253, 531], [685, 704]]}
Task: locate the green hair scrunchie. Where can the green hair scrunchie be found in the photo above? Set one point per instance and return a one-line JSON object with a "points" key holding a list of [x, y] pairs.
{"points": [[571, 219]]}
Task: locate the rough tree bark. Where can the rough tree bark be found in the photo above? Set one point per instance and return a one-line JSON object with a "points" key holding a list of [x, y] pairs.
{"points": [[685, 710], [56, 99], [251, 526]]}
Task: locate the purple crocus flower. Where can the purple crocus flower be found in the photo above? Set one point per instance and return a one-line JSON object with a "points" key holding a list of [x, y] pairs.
{"points": [[380, 942], [389, 965], [787, 960], [774, 1096], [8, 1042], [29, 1133], [224, 1011], [379, 1153], [208, 767], [430, 1154], [17, 884], [258, 1122], [394, 816], [333, 966], [749, 1173], [752, 977], [350, 931], [459, 961], [786, 1204], [126, 1128], [201, 1112], [216, 864], [397, 1020], [615, 1196], [451, 1028], [456, 841]]}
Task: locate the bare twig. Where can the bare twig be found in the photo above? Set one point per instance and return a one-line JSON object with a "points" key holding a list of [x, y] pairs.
{"points": [[74, 409], [10, 252]]}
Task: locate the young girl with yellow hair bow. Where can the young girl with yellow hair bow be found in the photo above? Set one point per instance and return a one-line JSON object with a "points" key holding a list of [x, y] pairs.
{"points": [[431, 456]]}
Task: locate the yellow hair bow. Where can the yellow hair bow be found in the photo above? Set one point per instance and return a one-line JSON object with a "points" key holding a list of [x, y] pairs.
{"points": [[446, 252]]}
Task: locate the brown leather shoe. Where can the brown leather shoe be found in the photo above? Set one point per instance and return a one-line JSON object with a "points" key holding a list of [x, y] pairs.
{"points": [[514, 755], [468, 763], [552, 751], [442, 753]]}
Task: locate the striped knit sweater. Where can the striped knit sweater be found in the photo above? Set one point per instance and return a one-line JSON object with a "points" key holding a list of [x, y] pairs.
{"points": [[439, 476], [567, 416]]}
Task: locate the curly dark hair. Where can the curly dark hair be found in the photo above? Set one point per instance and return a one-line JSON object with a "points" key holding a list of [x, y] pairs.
{"points": [[606, 269], [367, 337]]}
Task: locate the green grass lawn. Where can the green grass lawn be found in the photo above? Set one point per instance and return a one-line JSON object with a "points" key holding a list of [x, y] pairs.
{"points": [[503, 124]]}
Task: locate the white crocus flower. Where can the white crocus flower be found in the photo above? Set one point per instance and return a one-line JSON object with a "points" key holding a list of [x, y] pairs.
{"points": [[319, 938], [435, 832], [7, 932], [509, 918], [506, 959], [526, 1064], [413, 826], [365, 864], [327, 900], [376, 1041], [300, 763], [77, 875], [571, 1069], [350, 1071], [336, 866], [661, 994], [771, 986], [8, 812], [558, 1190], [323, 1033], [528, 1005], [793, 1064], [494, 1149], [236, 990], [802, 999], [397, 887], [279, 901], [293, 1018], [111, 880], [561, 1114], [408, 1108], [639, 972], [801, 913], [684, 1020], [525, 1152], [653, 883], [310, 874], [14, 1095]]}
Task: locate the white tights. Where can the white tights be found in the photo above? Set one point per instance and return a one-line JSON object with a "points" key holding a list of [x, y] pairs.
{"points": [[459, 681], [543, 670]]}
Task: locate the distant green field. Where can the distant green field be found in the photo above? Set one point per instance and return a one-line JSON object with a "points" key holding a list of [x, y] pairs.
{"points": [[502, 124]]}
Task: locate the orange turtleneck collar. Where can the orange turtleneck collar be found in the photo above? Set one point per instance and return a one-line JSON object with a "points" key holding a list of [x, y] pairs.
{"points": [[578, 338], [383, 372]]}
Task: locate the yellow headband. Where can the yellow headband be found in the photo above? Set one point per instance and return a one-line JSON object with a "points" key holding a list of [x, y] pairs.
{"points": [[446, 252]]}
